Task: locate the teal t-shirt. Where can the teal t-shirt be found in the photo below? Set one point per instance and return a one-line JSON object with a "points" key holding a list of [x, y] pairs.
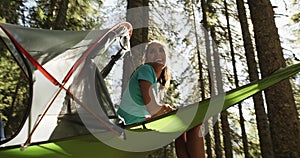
{"points": [[132, 107]]}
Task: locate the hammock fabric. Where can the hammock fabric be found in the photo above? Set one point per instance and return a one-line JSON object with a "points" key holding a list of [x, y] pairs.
{"points": [[68, 70]]}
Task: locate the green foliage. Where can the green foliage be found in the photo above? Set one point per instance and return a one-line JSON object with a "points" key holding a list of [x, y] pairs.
{"points": [[12, 11], [80, 15], [14, 93], [296, 18]]}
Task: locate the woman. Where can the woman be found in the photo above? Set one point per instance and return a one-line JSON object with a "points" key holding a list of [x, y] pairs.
{"points": [[140, 99]]}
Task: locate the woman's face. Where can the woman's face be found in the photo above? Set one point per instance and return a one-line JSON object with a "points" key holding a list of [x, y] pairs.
{"points": [[156, 54]]}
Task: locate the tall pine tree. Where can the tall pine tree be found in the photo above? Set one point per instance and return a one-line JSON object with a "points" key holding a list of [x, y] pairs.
{"points": [[282, 113]]}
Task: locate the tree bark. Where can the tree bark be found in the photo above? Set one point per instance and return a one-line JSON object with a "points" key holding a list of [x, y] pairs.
{"points": [[226, 135], [224, 115], [60, 20], [236, 81], [261, 116], [208, 141], [207, 136], [282, 113], [218, 146], [138, 15]]}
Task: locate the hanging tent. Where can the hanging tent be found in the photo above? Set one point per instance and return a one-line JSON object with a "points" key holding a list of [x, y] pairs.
{"points": [[60, 105]]}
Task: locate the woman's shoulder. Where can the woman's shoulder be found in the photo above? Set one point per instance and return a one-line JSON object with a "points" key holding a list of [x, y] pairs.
{"points": [[145, 67], [145, 72]]}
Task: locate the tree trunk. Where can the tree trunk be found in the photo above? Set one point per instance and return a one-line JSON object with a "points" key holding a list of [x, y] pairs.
{"points": [[218, 146], [60, 20], [282, 113], [226, 135], [261, 116], [200, 67], [207, 136], [208, 141], [224, 115], [138, 15], [236, 80]]}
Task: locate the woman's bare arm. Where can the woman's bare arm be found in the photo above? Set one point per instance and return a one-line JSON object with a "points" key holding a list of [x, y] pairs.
{"points": [[153, 107]]}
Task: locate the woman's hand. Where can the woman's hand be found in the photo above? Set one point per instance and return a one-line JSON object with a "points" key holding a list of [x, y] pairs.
{"points": [[153, 107], [165, 108]]}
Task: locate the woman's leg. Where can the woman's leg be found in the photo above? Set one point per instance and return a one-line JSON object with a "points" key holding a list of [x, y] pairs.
{"points": [[195, 143], [180, 146]]}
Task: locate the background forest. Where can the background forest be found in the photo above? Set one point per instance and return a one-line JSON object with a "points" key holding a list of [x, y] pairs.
{"points": [[228, 43]]}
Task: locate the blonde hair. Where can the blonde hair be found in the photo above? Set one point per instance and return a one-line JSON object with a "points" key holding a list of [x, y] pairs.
{"points": [[165, 76]]}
